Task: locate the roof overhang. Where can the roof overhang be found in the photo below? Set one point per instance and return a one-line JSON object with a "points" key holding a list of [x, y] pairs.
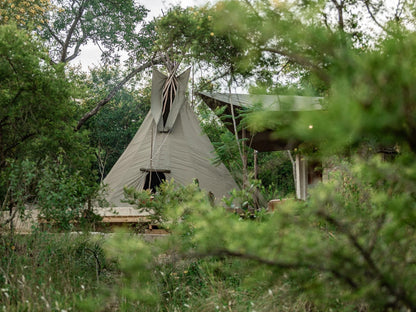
{"points": [[266, 140]]}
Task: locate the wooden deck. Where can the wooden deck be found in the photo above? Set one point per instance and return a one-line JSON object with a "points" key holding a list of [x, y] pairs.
{"points": [[112, 218]]}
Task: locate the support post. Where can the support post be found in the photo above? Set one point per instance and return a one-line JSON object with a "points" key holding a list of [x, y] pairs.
{"points": [[244, 158], [301, 177]]}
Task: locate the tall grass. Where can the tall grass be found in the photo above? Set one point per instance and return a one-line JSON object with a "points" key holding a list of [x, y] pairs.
{"points": [[223, 285], [50, 272], [63, 272]]}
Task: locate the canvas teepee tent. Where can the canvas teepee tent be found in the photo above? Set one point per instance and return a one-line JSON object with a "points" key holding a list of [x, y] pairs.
{"points": [[169, 144]]}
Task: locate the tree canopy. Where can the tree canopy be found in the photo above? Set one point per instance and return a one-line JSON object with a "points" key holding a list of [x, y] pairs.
{"points": [[279, 42]]}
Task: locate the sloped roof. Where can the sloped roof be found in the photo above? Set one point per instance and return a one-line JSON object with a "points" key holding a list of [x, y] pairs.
{"points": [[266, 140], [272, 102]]}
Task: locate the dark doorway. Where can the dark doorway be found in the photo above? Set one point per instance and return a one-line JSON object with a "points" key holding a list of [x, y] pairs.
{"points": [[153, 180]]}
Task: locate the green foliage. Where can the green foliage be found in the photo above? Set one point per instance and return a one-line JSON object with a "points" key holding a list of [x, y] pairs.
{"points": [[26, 13], [18, 182], [64, 197], [71, 272], [373, 93], [231, 37], [214, 284], [284, 45], [211, 284], [37, 112], [246, 200], [34, 98], [226, 148], [276, 174], [196, 30], [42, 160], [61, 195]]}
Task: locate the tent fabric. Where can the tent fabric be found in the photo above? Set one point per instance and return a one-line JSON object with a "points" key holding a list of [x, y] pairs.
{"points": [[156, 99], [184, 152]]}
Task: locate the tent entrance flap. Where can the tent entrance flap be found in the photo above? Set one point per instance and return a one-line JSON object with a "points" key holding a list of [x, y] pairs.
{"points": [[153, 180]]}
